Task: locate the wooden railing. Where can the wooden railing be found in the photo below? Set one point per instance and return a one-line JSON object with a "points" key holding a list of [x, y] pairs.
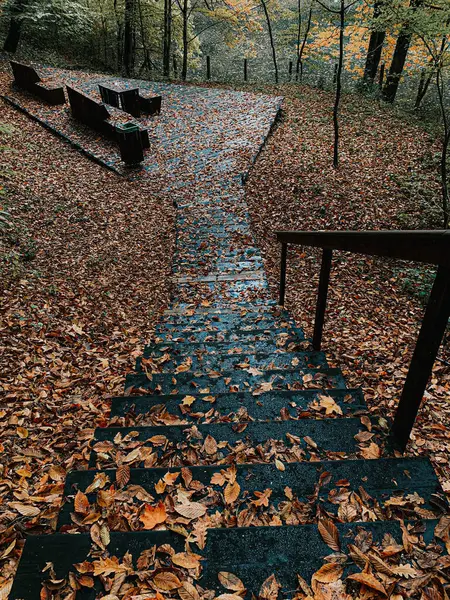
{"points": [[431, 247]]}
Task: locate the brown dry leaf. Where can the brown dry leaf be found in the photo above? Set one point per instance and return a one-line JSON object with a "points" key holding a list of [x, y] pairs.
{"points": [[232, 492], [153, 515], [170, 478], [186, 560], [371, 452], [188, 591], [329, 534], [262, 498], [107, 566], [191, 510], [25, 509], [81, 503], [231, 581], [218, 479], [188, 400], [369, 581], [328, 573], [279, 465], [123, 475], [270, 588], [330, 405], [210, 445], [166, 581]]}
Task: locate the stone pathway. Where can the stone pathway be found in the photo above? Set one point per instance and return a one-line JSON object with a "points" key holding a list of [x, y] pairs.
{"points": [[234, 439]]}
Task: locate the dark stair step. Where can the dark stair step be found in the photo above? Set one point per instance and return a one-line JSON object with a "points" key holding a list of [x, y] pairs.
{"points": [[291, 441], [252, 554], [218, 319], [260, 333], [238, 407], [215, 327], [402, 488], [242, 347], [238, 335], [187, 310], [226, 362], [236, 381]]}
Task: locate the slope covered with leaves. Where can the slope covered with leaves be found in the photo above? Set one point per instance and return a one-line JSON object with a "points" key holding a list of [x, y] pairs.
{"points": [[85, 265], [387, 180]]}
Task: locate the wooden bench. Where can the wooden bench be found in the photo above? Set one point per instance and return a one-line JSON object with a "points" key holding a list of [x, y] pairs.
{"points": [[131, 100], [149, 103], [27, 78], [100, 117]]}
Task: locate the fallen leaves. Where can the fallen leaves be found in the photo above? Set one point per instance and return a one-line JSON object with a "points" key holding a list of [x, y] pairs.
{"points": [[152, 516], [329, 534]]}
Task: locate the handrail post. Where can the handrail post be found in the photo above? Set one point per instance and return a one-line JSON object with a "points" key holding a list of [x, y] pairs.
{"points": [[430, 337], [283, 274], [324, 281]]}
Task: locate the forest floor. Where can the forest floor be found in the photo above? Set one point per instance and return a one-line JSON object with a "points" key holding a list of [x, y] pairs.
{"points": [[85, 268], [75, 315], [387, 179]]}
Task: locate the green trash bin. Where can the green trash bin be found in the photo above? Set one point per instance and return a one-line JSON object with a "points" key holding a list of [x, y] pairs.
{"points": [[130, 143]]}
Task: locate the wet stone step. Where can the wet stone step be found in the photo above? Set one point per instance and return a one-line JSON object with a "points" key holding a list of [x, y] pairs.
{"points": [[282, 344], [260, 333], [236, 381], [253, 554], [206, 363], [235, 407], [293, 493], [224, 443], [187, 309], [245, 316], [243, 323]]}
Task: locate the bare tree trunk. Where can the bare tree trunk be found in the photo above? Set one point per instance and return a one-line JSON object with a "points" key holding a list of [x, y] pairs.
{"points": [[299, 72], [167, 38], [272, 42], [424, 89], [398, 59], [128, 39], [445, 146], [375, 48], [15, 26], [185, 40], [338, 85]]}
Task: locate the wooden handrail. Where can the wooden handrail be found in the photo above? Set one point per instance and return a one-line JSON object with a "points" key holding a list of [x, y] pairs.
{"points": [[419, 246], [431, 247]]}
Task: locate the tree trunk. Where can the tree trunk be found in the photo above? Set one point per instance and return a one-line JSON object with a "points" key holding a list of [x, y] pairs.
{"points": [[375, 48], [445, 146], [426, 83], [272, 42], [302, 48], [185, 40], [338, 86], [128, 39], [167, 38], [15, 26], [398, 59]]}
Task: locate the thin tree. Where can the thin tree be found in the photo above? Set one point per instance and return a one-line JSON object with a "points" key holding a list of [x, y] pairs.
{"points": [[272, 41], [16, 13], [434, 22], [399, 57], [343, 8], [376, 41], [128, 37], [301, 48], [167, 37]]}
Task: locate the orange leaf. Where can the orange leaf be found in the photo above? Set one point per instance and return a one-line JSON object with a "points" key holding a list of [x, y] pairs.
{"points": [[153, 515]]}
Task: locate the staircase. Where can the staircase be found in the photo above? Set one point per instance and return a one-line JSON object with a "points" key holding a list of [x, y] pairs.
{"points": [[236, 454]]}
